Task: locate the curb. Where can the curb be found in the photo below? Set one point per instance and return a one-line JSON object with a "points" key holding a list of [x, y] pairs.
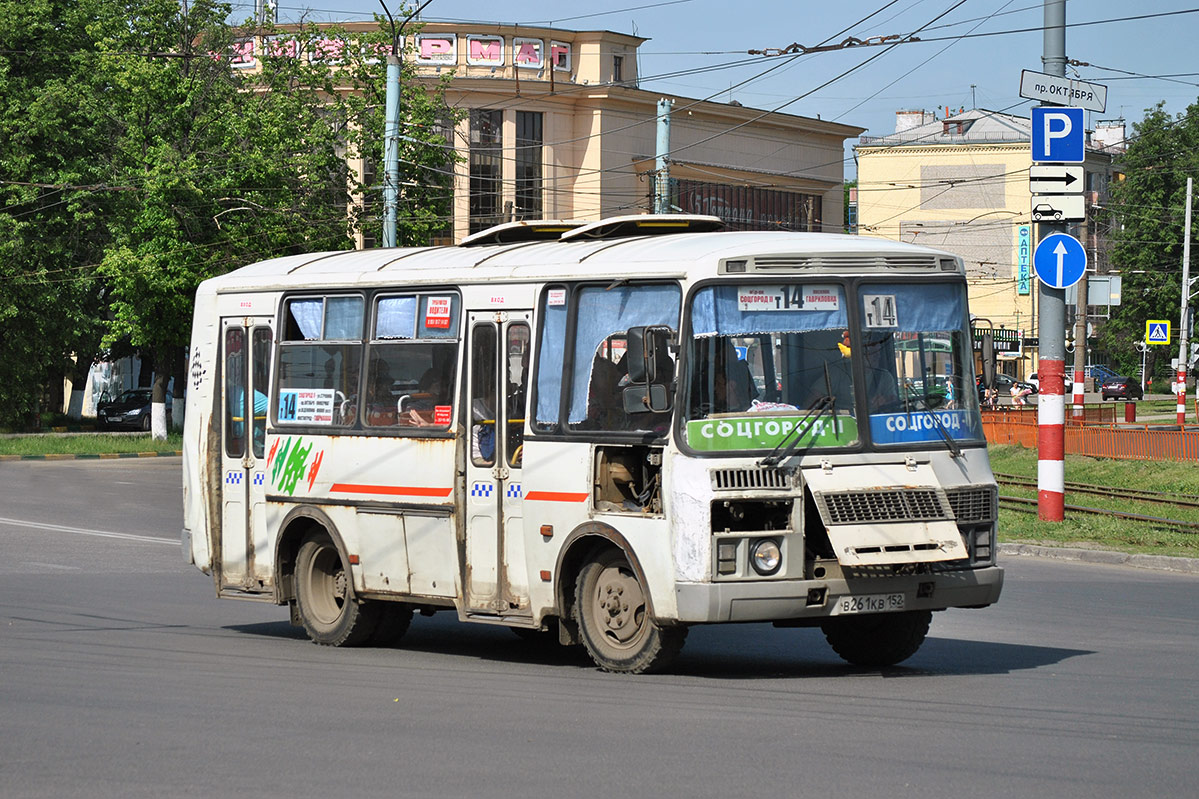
{"points": [[103, 456], [1155, 562]]}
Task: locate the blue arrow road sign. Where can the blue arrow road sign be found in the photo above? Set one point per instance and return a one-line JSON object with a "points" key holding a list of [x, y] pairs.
{"points": [[1059, 134], [1059, 260]]}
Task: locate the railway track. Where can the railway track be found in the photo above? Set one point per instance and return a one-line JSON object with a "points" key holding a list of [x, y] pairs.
{"points": [[1154, 497], [1131, 494], [1030, 505]]}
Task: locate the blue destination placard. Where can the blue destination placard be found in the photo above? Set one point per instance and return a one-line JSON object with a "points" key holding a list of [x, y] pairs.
{"points": [[900, 428]]}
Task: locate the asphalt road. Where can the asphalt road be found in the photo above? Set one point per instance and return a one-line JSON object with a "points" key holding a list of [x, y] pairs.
{"points": [[121, 675]]}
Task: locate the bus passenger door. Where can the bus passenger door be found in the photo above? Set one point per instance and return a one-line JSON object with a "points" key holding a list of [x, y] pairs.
{"points": [[497, 373], [242, 553]]}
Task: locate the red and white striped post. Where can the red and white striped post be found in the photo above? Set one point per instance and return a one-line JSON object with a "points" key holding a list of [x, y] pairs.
{"points": [[1079, 386], [1051, 441], [1181, 387]]}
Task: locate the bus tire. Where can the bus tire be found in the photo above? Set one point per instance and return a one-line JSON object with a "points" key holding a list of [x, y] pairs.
{"points": [[328, 609], [612, 611], [880, 639], [394, 620]]}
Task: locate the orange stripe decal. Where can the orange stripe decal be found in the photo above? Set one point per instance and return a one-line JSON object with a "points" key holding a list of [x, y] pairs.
{"points": [[392, 491], [555, 496]]}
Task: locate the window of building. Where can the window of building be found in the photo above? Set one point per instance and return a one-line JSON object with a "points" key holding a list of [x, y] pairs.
{"points": [[617, 68], [528, 164], [486, 150]]}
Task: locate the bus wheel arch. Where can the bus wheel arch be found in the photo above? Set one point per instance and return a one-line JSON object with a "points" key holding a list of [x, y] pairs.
{"points": [[603, 598], [319, 582]]}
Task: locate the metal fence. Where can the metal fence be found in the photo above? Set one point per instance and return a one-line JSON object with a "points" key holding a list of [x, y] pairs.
{"points": [[1099, 434]]}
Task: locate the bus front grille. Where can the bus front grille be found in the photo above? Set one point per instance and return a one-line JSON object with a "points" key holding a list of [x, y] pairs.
{"points": [[974, 504], [864, 506], [735, 479]]}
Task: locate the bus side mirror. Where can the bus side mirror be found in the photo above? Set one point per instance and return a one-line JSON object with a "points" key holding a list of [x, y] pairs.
{"points": [[639, 354], [648, 353]]}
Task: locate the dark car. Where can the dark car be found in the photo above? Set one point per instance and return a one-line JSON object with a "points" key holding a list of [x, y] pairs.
{"points": [[1125, 388], [129, 411]]}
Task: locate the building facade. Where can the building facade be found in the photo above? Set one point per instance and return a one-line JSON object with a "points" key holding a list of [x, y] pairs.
{"points": [[555, 126], [960, 183]]}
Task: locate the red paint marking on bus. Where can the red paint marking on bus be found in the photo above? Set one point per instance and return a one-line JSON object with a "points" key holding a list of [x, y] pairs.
{"points": [[555, 496], [401, 491]]}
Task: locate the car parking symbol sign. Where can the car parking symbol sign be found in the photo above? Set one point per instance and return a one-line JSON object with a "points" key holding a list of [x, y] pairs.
{"points": [[1058, 134]]}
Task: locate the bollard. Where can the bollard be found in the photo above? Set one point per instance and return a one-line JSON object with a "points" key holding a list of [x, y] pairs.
{"points": [[1130, 411]]}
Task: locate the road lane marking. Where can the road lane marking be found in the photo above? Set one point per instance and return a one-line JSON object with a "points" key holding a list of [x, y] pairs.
{"points": [[59, 528]]}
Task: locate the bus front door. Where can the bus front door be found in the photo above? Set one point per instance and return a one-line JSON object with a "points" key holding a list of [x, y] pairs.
{"points": [[241, 553], [496, 579]]}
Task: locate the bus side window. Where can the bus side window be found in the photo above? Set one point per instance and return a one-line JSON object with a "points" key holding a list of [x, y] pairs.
{"points": [[518, 383], [410, 370], [483, 395], [320, 361]]}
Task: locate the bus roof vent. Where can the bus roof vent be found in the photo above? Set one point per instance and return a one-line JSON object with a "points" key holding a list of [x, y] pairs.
{"points": [[645, 225], [527, 230], [770, 263]]}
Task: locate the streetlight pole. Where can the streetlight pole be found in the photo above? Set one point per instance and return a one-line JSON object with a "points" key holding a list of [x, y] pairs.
{"points": [[391, 127], [1182, 324]]}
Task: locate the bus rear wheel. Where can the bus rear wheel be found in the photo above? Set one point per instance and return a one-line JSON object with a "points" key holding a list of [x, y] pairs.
{"points": [[612, 611], [881, 639], [328, 609]]}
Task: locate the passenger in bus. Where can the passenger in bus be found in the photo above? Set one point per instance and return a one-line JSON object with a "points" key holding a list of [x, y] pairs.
{"points": [[482, 413]]}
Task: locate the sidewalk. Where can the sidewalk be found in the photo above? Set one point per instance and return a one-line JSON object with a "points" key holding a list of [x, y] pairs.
{"points": [[1154, 562]]}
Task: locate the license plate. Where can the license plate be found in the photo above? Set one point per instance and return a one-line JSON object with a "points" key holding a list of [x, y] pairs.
{"points": [[869, 603]]}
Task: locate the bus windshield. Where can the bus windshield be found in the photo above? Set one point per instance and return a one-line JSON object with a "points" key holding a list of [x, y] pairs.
{"points": [[780, 366]]}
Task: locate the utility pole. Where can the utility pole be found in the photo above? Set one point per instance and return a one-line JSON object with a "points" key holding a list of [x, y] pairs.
{"points": [[1182, 325], [662, 159], [1051, 407], [391, 126]]}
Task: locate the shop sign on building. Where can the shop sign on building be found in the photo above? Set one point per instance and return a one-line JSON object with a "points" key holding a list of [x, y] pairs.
{"points": [[1024, 260]]}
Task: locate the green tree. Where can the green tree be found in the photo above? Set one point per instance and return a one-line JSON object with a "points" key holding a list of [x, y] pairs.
{"points": [[56, 198], [1147, 210], [229, 167]]}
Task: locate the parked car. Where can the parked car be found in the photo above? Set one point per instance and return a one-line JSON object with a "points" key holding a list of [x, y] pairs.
{"points": [[1125, 388], [1066, 379], [1004, 383], [129, 411]]}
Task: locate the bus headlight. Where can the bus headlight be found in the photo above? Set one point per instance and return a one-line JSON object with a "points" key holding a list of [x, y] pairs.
{"points": [[765, 556]]}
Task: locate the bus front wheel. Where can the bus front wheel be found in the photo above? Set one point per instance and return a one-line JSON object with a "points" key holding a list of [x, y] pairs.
{"points": [[881, 639], [612, 611], [328, 609]]}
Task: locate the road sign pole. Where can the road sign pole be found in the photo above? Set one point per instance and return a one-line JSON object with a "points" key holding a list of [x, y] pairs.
{"points": [[1182, 325], [1051, 330]]}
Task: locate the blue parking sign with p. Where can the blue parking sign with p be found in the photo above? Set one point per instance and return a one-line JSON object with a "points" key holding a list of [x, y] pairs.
{"points": [[1059, 134]]}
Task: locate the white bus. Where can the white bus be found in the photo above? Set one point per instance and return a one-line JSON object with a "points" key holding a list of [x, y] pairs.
{"points": [[604, 432]]}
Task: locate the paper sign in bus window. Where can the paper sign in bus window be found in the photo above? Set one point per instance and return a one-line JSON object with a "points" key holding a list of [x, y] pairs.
{"points": [[788, 298], [306, 405], [437, 312]]}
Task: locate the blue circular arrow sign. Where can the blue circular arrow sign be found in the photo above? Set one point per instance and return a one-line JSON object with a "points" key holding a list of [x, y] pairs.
{"points": [[1060, 260]]}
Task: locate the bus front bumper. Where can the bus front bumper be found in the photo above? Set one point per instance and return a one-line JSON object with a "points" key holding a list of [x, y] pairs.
{"points": [[777, 600]]}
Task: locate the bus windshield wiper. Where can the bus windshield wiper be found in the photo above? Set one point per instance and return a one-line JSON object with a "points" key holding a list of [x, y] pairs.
{"points": [[922, 404], [790, 443]]}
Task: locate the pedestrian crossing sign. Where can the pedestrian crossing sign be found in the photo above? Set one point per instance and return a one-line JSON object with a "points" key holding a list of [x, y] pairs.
{"points": [[1157, 331]]}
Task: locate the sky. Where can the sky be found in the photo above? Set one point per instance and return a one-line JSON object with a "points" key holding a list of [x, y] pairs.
{"points": [[699, 49]]}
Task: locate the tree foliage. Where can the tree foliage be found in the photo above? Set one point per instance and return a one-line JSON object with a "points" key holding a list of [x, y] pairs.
{"points": [[135, 162], [1148, 208]]}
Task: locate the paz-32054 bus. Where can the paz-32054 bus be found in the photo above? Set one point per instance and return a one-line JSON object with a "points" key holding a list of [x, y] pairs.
{"points": [[607, 432]]}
